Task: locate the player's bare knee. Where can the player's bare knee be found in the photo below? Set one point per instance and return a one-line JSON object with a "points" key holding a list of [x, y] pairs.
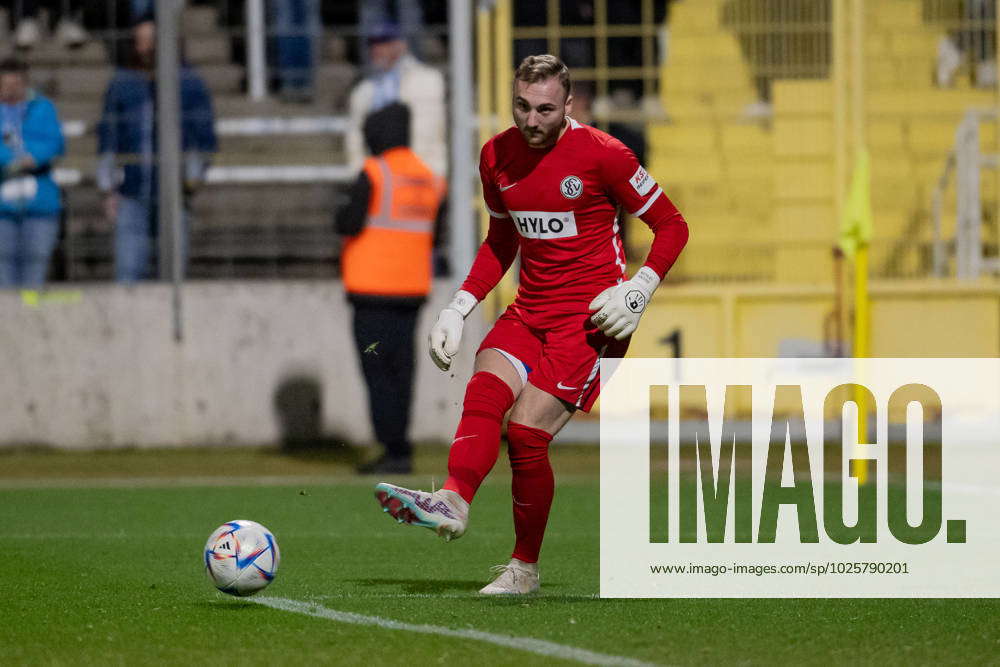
{"points": [[538, 409], [492, 361]]}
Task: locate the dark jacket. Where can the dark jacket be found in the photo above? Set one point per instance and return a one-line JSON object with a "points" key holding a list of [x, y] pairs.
{"points": [[128, 126]]}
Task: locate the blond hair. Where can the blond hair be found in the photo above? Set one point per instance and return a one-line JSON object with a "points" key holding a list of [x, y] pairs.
{"points": [[539, 68]]}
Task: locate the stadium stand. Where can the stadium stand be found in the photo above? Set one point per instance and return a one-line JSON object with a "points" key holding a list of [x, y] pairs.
{"points": [[768, 183], [764, 182], [240, 229]]}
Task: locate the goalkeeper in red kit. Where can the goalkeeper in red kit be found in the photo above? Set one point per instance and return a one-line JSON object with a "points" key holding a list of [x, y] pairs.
{"points": [[553, 188]]}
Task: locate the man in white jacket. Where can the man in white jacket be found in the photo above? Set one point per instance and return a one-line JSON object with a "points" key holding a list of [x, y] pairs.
{"points": [[396, 76]]}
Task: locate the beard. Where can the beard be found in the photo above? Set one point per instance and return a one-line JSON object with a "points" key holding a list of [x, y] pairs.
{"points": [[539, 137]]}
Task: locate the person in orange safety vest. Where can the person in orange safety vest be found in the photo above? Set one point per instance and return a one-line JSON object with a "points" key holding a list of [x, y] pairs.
{"points": [[390, 223]]}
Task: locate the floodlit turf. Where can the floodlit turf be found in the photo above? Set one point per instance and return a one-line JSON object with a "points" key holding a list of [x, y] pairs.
{"points": [[101, 573]]}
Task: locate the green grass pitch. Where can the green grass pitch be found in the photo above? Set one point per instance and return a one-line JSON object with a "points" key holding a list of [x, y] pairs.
{"points": [[98, 569]]}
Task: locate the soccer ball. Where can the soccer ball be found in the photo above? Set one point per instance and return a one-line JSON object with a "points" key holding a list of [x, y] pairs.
{"points": [[241, 557]]}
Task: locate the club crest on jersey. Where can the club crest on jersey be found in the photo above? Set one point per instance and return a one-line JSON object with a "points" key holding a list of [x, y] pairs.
{"points": [[571, 187], [544, 224]]}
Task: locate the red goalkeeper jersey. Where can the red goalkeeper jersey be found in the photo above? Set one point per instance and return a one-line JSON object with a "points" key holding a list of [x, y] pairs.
{"points": [[559, 207]]}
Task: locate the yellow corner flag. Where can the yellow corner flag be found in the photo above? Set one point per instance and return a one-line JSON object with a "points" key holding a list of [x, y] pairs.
{"points": [[855, 235], [856, 225]]}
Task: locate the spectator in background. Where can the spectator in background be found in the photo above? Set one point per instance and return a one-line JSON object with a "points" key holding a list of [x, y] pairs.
{"points": [[30, 201], [112, 21], [296, 30], [407, 14], [64, 15], [396, 76], [127, 132], [389, 223]]}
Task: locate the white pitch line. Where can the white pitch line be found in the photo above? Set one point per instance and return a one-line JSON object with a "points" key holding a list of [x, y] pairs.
{"points": [[441, 596], [529, 644]]}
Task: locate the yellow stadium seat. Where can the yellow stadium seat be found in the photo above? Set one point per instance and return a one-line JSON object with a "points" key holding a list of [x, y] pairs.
{"points": [[988, 136], [694, 78], [803, 136], [932, 136], [687, 138], [695, 16], [928, 171], [877, 43], [798, 97], [719, 47], [804, 179], [703, 105], [916, 73], [895, 14], [676, 169], [746, 139], [885, 135], [881, 72], [891, 223], [904, 43], [804, 221], [755, 189], [924, 102]]}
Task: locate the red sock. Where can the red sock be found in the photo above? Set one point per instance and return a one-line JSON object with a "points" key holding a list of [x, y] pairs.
{"points": [[477, 439], [532, 487]]}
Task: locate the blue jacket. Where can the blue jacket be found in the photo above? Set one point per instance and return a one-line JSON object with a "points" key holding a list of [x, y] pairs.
{"points": [[128, 126], [32, 193]]}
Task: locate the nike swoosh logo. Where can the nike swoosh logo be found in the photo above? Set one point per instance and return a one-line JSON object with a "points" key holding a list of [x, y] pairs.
{"points": [[560, 385], [463, 438], [505, 188]]}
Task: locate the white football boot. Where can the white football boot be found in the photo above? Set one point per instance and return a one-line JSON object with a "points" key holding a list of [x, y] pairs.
{"points": [[445, 512], [514, 578]]}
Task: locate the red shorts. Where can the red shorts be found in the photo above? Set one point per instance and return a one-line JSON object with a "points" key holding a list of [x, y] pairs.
{"points": [[562, 351]]}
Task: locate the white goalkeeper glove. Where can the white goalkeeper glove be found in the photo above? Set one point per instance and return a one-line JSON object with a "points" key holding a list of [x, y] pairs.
{"points": [[446, 333], [619, 307]]}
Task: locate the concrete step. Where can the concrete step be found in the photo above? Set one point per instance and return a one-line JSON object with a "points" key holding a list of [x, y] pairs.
{"points": [[241, 106], [318, 150], [299, 240], [222, 79], [334, 82], [209, 49], [276, 201], [80, 83], [50, 53], [77, 84], [199, 20], [79, 91]]}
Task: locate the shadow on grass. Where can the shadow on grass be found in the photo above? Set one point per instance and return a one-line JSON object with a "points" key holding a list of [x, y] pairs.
{"points": [[298, 404], [227, 604], [425, 586], [468, 587]]}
